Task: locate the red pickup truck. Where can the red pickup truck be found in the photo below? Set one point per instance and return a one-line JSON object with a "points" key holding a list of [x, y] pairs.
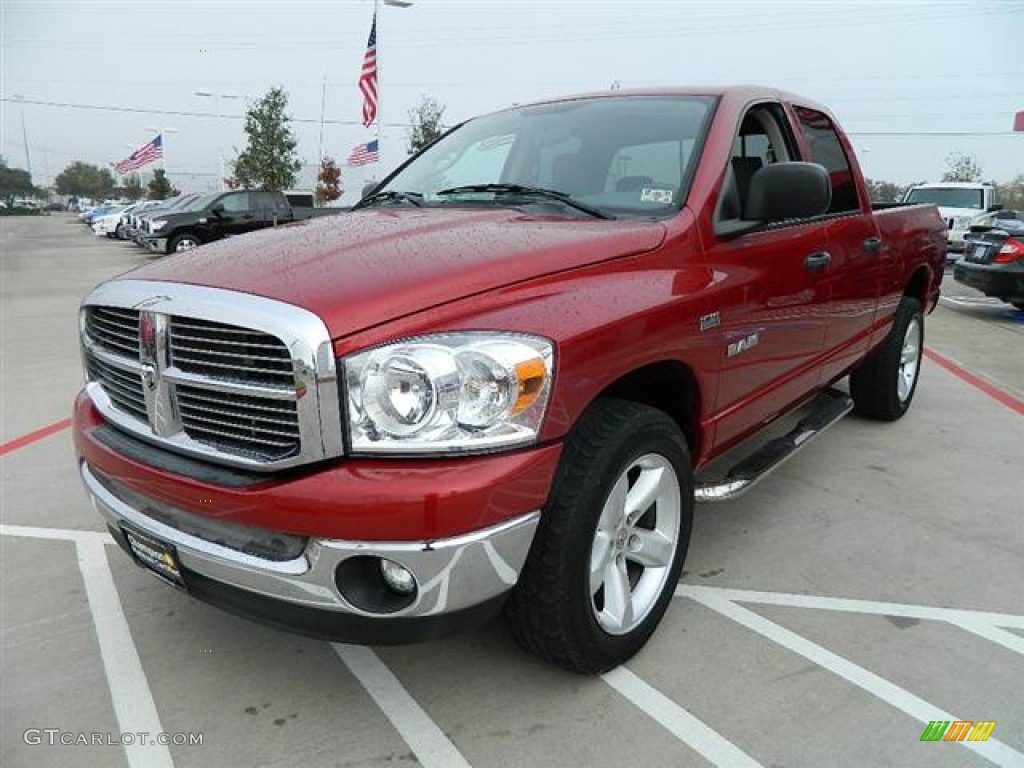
{"points": [[498, 383]]}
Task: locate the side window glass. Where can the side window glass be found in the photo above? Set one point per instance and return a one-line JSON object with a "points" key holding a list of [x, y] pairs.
{"points": [[236, 203], [827, 150], [762, 140]]}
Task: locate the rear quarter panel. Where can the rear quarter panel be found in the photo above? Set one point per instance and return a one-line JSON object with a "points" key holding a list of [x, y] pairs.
{"points": [[914, 241]]}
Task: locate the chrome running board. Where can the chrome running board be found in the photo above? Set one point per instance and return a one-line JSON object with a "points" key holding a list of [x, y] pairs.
{"points": [[829, 407]]}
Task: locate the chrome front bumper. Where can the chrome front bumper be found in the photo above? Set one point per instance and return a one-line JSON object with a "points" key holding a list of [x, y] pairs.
{"points": [[452, 575]]}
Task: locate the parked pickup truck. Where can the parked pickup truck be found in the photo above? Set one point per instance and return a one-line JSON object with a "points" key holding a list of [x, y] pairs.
{"points": [[502, 380], [215, 217], [959, 202]]}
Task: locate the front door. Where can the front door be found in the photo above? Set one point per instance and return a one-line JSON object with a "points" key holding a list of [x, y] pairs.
{"points": [[238, 215], [769, 291]]}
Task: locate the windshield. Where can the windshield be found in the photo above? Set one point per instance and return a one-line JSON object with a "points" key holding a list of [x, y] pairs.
{"points": [[163, 205], [949, 197], [197, 203], [629, 156]]}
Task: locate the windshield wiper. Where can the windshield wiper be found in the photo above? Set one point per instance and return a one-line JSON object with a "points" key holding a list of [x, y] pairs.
{"points": [[524, 190], [391, 195]]}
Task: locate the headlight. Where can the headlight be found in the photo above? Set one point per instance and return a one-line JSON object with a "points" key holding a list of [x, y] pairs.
{"points": [[158, 224], [448, 393]]}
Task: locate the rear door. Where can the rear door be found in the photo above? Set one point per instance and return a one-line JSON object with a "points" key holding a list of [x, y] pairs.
{"points": [[274, 209], [768, 300], [852, 273]]}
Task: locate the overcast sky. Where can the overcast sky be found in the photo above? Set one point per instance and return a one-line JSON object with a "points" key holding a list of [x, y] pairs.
{"points": [[910, 81]]}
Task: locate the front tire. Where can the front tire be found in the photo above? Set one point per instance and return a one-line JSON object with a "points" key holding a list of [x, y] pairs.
{"points": [[611, 541], [883, 386], [183, 242]]}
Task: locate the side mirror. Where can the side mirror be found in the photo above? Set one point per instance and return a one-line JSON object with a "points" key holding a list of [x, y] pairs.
{"points": [[994, 208], [217, 209], [788, 191], [369, 188]]}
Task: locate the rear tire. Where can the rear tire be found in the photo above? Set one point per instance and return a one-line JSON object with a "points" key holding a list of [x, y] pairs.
{"points": [[611, 541], [883, 386]]}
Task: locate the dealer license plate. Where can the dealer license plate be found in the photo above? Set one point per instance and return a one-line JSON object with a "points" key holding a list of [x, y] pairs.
{"points": [[159, 557], [979, 252]]}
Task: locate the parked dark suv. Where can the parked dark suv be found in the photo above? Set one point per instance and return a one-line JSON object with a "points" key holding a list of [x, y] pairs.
{"points": [[214, 217]]}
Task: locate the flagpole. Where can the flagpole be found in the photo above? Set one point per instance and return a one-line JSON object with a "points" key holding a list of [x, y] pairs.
{"points": [[380, 79], [323, 107]]}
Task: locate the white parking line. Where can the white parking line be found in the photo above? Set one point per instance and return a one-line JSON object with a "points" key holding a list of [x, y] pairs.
{"points": [[972, 301], [926, 612], [133, 701], [994, 634], [992, 750], [427, 741], [60, 534], [677, 721]]}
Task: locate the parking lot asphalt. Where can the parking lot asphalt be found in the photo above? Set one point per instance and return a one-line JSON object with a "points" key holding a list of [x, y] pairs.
{"points": [[873, 584]]}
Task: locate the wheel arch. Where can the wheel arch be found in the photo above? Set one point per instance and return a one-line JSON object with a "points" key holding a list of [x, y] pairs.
{"points": [[668, 385], [917, 285], [172, 240]]}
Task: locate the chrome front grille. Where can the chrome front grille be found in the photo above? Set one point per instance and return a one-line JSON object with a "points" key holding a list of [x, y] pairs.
{"points": [[114, 329], [260, 392], [227, 351], [240, 424], [123, 387]]}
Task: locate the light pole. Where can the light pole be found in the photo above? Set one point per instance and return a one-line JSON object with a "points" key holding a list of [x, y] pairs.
{"points": [[24, 133], [380, 71], [216, 108]]}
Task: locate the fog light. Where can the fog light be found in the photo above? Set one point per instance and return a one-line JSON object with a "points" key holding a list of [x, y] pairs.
{"points": [[397, 577]]}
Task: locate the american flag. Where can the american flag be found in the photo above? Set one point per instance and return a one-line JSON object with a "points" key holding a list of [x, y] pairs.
{"points": [[368, 77], [364, 154], [144, 155]]}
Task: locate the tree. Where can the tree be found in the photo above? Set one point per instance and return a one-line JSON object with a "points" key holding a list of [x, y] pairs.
{"points": [[961, 168], [14, 182], [133, 189], [269, 160], [84, 180], [885, 191], [328, 186], [426, 124], [1011, 194], [159, 187]]}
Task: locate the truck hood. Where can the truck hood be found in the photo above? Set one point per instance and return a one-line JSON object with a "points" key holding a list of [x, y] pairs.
{"points": [[360, 269], [958, 213]]}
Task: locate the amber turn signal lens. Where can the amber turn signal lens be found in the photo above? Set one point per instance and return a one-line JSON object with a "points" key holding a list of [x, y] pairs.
{"points": [[530, 374]]}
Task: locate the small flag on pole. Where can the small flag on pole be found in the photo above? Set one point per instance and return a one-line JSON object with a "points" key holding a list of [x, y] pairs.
{"points": [[144, 155], [364, 154], [368, 77]]}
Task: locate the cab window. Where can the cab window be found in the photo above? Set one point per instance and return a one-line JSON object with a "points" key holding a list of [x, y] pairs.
{"points": [[236, 202], [763, 138], [827, 150]]}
